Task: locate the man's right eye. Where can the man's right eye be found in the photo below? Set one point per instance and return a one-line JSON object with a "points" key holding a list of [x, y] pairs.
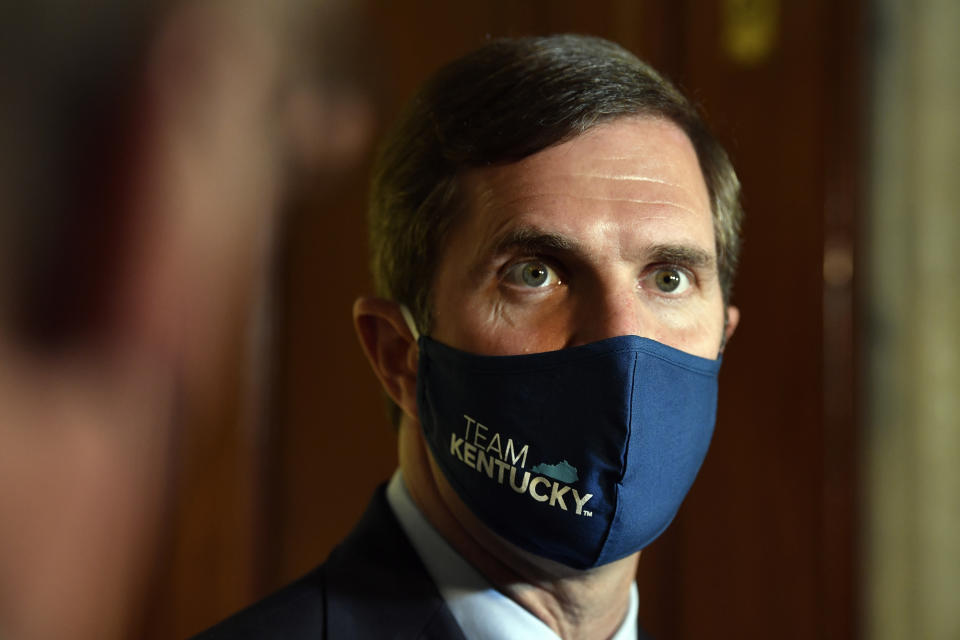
{"points": [[534, 274]]}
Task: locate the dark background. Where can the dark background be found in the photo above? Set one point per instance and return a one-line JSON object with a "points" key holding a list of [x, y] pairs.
{"points": [[765, 543]]}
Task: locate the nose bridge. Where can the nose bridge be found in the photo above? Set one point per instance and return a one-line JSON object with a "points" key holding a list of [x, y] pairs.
{"points": [[609, 311]]}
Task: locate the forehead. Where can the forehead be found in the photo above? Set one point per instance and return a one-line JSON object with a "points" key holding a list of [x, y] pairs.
{"points": [[630, 146], [634, 175]]}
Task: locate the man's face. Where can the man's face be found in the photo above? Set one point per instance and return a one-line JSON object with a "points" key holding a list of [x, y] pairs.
{"points": [[605, 235]]}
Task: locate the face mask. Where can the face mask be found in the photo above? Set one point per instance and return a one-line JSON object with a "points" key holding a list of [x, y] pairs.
{"points": [[582, 455]]}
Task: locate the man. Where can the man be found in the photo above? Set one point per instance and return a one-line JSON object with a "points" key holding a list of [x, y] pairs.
{"points": [[554, 237]]}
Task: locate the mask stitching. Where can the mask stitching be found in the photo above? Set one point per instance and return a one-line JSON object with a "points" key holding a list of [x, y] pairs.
{"points": [[623, 468]]}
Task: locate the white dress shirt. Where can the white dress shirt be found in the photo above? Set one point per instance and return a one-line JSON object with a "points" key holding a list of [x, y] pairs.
{"points": [[482, 612]]}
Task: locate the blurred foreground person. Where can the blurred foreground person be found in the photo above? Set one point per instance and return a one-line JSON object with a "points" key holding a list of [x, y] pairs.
{"points": [[144, 152], [554, 238]]}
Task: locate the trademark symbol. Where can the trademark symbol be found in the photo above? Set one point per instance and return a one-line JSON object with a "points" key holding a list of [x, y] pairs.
{"points": [[589, 514]]}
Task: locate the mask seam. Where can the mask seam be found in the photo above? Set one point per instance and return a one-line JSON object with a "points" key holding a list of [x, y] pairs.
{"points": [[623, 472], [626, 447]]}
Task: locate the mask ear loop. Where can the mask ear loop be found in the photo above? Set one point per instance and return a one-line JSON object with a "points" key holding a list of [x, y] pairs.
{"points": [[408, 318], [723, 338]]}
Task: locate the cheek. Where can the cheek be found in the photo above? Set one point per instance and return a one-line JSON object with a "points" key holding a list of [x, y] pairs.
{"points": [[696, 328], [497, 327]]}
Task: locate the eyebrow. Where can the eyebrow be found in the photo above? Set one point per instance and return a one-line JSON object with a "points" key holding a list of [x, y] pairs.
{"points": [[684, 255], [532, 240]]}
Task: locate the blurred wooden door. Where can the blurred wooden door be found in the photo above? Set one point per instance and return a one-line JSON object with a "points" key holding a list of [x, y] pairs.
{"points": [[765, 544]]}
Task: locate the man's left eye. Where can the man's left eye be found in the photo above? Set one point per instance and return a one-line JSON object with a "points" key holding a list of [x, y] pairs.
{"points": [[533, 274], [669, 280]]}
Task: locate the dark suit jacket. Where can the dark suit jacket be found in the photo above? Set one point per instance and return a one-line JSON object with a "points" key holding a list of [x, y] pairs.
{"points": [[373, 585]]}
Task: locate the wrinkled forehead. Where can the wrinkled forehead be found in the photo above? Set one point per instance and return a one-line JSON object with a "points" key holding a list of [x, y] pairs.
{"points": [[628, 162], [641, 144]]}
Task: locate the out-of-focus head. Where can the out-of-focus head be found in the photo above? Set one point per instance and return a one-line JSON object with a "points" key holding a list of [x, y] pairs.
{"points": [[158, 140], [504, 102], [147, 150], [70, 79]]}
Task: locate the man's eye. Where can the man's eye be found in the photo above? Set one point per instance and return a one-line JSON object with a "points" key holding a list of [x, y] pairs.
{"points": [[533, 273], [670, 280]]}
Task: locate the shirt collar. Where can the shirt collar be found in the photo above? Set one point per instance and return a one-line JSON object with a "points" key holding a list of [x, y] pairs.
{"points": [[482, 612]]}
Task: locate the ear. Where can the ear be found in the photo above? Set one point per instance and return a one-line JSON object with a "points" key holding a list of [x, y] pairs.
{"points": [[730, 325], [390, 348]]}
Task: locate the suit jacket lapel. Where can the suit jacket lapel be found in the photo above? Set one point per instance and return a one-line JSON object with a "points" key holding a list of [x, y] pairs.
{"points": [[377, 586]]}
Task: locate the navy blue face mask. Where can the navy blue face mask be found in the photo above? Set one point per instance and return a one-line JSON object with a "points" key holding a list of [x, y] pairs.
{"points": [[582, 455]]}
